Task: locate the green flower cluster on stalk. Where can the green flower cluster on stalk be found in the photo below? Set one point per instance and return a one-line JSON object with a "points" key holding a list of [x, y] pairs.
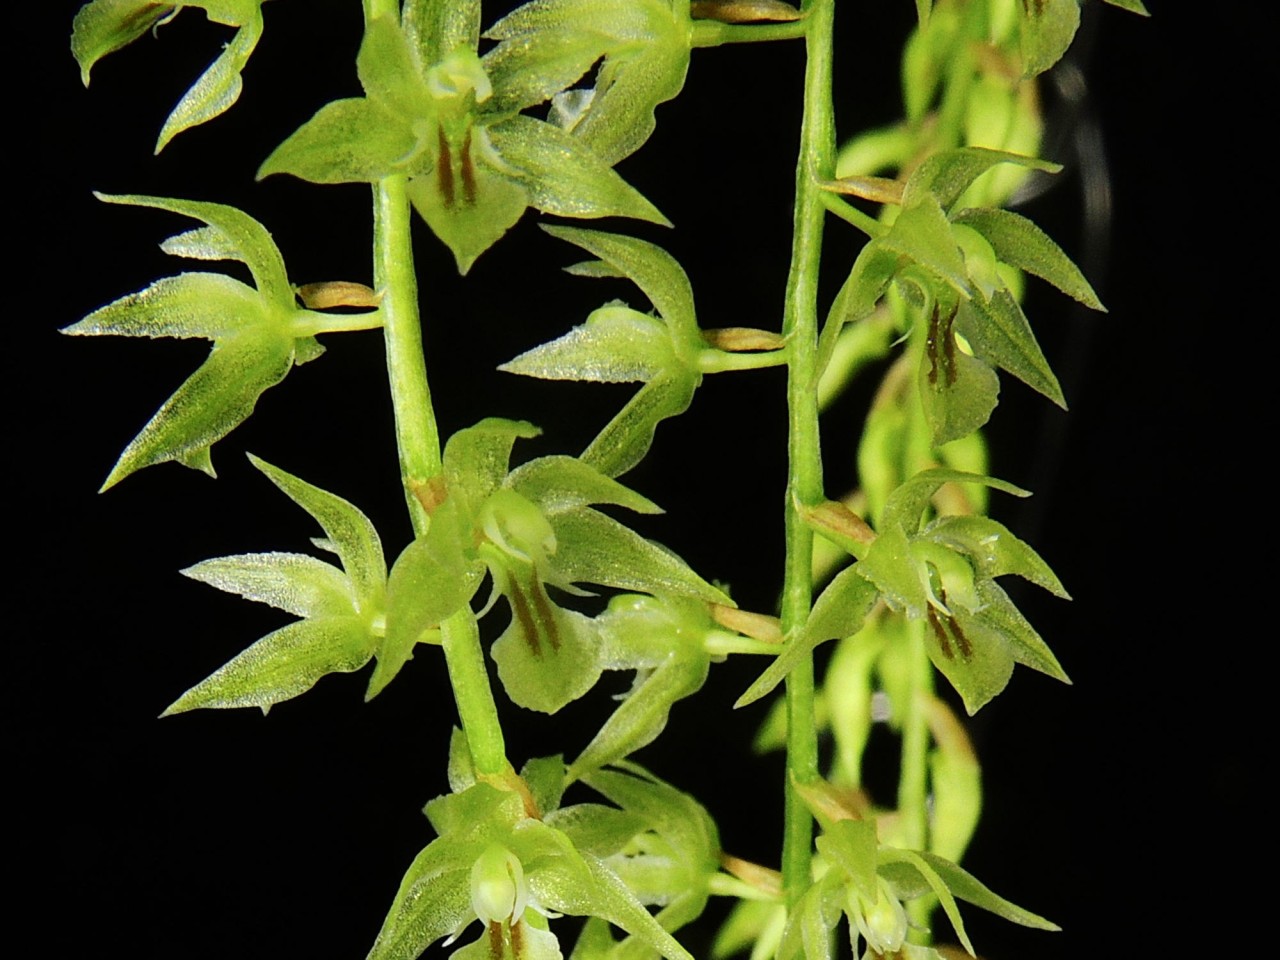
{"points": [[913, 564], [509, 855], [529, 529], [452, 121]]}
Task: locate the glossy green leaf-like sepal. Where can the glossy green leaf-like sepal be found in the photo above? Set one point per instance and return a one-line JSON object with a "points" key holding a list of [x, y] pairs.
{"points": [[1048, 27], [663, 640], [104, 26], [282, 665], [840, 611], [294, 582], [653, 270], [644, 54], [350, 532], [433, 578], [258, 334], [594, 548], [1020, 243]]}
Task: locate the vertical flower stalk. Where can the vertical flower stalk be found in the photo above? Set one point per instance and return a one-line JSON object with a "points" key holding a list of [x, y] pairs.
{"points": [[418, 440], [804, 482]]}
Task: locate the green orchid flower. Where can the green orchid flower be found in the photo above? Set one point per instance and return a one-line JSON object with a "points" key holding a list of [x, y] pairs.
{"points": [[513, 858], [530, 528], [433, 112], [259, 333], [341, 609], [867, 882]]}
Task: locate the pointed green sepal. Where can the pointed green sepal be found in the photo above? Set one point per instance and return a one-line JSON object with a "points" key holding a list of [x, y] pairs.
{"points": [[350, 532], [840, 611], [948, 173], [563, 176], [594, 548], [663, 640], [434, 577], [282, 665], [1048, 27], [294, 582], [1019, 242], [218, 88]]}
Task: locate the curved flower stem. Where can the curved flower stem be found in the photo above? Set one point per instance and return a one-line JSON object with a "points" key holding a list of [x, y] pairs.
{"points": [[418, 442], [804, 483]]}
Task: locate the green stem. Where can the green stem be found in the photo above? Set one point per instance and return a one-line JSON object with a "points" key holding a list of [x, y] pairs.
{"points": [[417, 437], [473, 694], [847, 212], [311, 323], [418, 442], [804, 482], [713, 33], [721, 361]]}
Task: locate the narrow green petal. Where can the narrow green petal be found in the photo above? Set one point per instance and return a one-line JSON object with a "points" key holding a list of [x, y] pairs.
{"points": [[936, 884], [642, 715], [909, 499], [970, 889], [626, 438], [840, 611]]}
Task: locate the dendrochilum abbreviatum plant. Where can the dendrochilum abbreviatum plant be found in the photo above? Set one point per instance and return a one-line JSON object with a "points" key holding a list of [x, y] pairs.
{"points": [[473, 127]]}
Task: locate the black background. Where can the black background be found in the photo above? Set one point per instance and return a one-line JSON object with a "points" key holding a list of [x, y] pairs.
{"points": [[1113, 806]]}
